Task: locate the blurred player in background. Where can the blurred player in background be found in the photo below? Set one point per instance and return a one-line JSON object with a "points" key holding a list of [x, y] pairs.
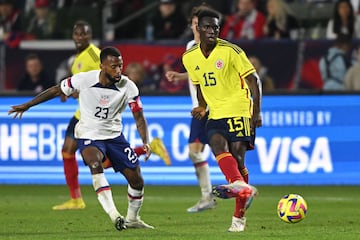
{"points": [[86, 59], [228, 85], [197, 138], [103, 96]]}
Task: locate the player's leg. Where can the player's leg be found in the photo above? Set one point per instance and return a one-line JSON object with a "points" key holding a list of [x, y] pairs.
{"points": [[207, 200], [124, 160], [220, 134], [244, 171], [241, 161], [238, 223], [71, 170], [197, 141], [238, 148], [157, 147], [135, 198], [93, 154]]}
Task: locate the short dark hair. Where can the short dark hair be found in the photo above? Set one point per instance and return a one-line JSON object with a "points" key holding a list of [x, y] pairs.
{"points": [[109, 51], [83, 23], [208, 12], [196, 10]]}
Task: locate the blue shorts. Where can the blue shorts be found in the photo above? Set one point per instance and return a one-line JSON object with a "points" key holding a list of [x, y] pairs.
{"points": [[197, 131], [117, 150], [235, 129], [71, 127]]}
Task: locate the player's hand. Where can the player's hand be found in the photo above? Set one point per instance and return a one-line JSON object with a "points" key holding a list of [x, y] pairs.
{"points": [[63, 98], [75, 95], [147, 150], [198, 112], [256, 121], [171, 76], [18, 110]]}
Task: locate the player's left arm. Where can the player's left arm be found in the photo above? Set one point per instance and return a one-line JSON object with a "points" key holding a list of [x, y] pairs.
{"points": [[141, 124], [44, 96], [254, 84]]}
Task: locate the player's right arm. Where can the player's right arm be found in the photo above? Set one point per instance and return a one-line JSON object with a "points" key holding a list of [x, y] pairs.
{"points": [[66, 87], [176, 76], [200, 111], [44, 96]]}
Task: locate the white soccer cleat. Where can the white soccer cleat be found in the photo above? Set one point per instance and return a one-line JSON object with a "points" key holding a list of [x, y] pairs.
{"points": [[237, 224], [203, 204], [138, 223]]}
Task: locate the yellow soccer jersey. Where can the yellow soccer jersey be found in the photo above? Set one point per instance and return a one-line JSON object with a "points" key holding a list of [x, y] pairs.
{"points": [[87, 60], [222, 79]]}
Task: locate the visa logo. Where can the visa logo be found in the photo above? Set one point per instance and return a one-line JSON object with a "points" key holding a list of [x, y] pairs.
{"points": [[297, 155]]}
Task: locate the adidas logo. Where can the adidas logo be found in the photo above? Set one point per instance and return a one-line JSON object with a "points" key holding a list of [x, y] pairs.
{"points": [[239, 134], [197, 68]]}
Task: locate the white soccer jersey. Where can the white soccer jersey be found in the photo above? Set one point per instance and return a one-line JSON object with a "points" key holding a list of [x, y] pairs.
{"points": [[100, 107], [192, 87]]}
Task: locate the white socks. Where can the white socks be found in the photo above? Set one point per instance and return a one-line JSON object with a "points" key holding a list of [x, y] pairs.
{"points": [[135, 200], [103, 191], [202, 173], [104, 194]]}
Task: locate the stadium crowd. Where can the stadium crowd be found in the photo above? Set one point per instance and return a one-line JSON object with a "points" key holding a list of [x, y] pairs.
{"points": [[167, 20]]}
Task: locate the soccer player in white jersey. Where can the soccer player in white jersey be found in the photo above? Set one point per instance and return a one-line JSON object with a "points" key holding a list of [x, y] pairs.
{"points": [[103, 96], [197, 138]]}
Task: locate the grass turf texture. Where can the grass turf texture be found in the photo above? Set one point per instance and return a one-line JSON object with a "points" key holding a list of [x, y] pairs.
{"points": [[25, 213]]}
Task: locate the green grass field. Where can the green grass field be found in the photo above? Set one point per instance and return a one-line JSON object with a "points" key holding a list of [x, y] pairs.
{"points": [[25, 213]]}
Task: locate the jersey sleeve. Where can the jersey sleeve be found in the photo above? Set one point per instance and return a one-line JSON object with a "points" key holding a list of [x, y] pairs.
{"points": [[70, 85], [243, 64], [134, 101], [187, 64], [132, 90]]}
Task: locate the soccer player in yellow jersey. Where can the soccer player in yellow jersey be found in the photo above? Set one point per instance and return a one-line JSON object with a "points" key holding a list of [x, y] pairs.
{"points": [[86, 59], [197, 138], [228, 85]]}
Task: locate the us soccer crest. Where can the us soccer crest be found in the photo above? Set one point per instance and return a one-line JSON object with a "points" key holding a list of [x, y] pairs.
{"points": [[219, 64], [104, 100]]}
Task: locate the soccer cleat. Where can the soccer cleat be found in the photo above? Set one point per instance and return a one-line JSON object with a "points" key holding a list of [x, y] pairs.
{"points": [[72, 204], [158, 147], [120, 223], [138, 223], [237, 224], [203, 204], [232, 190], [253, 195]]}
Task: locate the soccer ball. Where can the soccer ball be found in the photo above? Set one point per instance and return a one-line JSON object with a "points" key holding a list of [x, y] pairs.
{"points": [[292, 208]]}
